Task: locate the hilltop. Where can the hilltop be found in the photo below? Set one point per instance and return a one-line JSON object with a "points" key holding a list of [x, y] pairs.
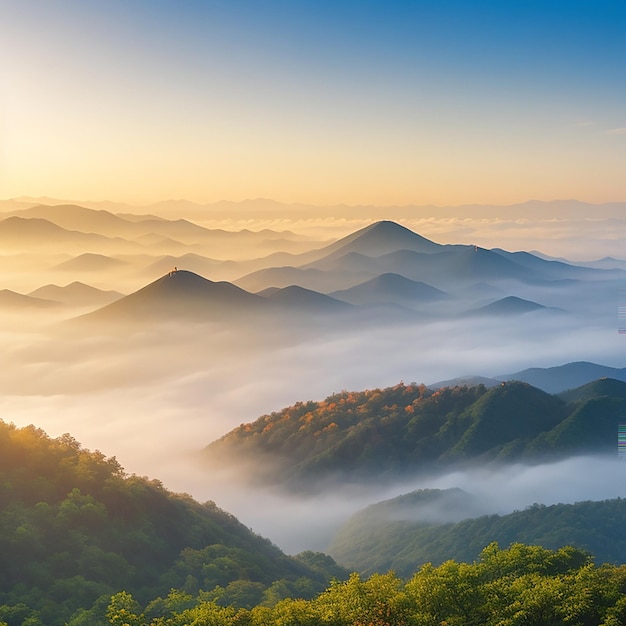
{"points": [[380, 434]]}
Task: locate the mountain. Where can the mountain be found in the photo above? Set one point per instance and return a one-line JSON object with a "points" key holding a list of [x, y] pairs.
{"points": [[466, 381], [563, 377], [397, 537], [76, 527], [384, 434], [557, 269], [511, 305], [11, 300], [90, 262], [294, 298], [390, 289], [388, 248], [76, 294], [18, 230], [78, 218], [190, 261], [318, 270], [566, 380], [182, 295], [380, 238], [610, 387], [43, 235], [314, 279]]}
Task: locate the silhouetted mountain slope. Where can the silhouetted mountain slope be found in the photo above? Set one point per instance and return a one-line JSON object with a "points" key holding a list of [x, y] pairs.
{"points": [[463, 263], [555, 268], [511, 305], [12, 301], [75, 527], [76, 294], [18, 231], [73, 217], [390, 288], [466, 381], [294, 298], [388, 248], [453, 268], [383, 433], [562, 377], [354, 263], [90, 262], [181, 295], [400, 543], [190, 261], [450, 268], [381, 238], [314, 279]]}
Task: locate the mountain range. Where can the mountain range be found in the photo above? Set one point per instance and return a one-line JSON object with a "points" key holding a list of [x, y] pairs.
{"points": [[550, 379], [384, 267], [401, 279]]}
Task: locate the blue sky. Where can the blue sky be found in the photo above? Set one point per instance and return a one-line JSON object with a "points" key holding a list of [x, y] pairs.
{"points": [[358, 102]]}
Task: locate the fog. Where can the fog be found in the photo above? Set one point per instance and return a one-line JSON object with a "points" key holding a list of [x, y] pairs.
{"points": [[300, 523], [154, 395]]}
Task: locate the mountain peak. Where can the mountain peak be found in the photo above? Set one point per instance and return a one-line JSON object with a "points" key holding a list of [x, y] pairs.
{"points": [[181, 294], [382, 238]]}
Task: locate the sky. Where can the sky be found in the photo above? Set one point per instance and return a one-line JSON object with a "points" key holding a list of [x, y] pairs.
{"points": [[440, 102]]}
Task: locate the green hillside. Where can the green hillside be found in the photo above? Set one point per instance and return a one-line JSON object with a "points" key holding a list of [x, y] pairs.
{"points": [[518, 585], [384, 433], [391, 535], [74, 528]]}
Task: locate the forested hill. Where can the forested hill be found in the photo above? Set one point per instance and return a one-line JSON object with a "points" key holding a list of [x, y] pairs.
{"points": [[387, 535], [383, 433], [74, 528]]}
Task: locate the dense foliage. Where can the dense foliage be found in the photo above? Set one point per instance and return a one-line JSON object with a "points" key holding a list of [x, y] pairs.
{"points": [[523, 585], [75, 528], [386, 432], [382, 537]]}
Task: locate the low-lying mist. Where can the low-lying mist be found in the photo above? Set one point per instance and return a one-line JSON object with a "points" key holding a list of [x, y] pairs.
{"points": [[154, 396], [297, 523]]}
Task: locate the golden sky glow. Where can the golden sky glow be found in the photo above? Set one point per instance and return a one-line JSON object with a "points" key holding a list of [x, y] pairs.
{"points": [[375, 104]]}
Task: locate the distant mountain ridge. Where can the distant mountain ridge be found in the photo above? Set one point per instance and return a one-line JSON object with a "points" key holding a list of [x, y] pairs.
{"points": [[76, 294], [388, 248], [390, 288], [511, 305], [550, 379]]}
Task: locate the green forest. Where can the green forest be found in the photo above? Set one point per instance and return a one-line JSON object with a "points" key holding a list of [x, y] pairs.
{"points": [[83, 543], [384, 433], [516, 586], [383, 537], [75, 530]]}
